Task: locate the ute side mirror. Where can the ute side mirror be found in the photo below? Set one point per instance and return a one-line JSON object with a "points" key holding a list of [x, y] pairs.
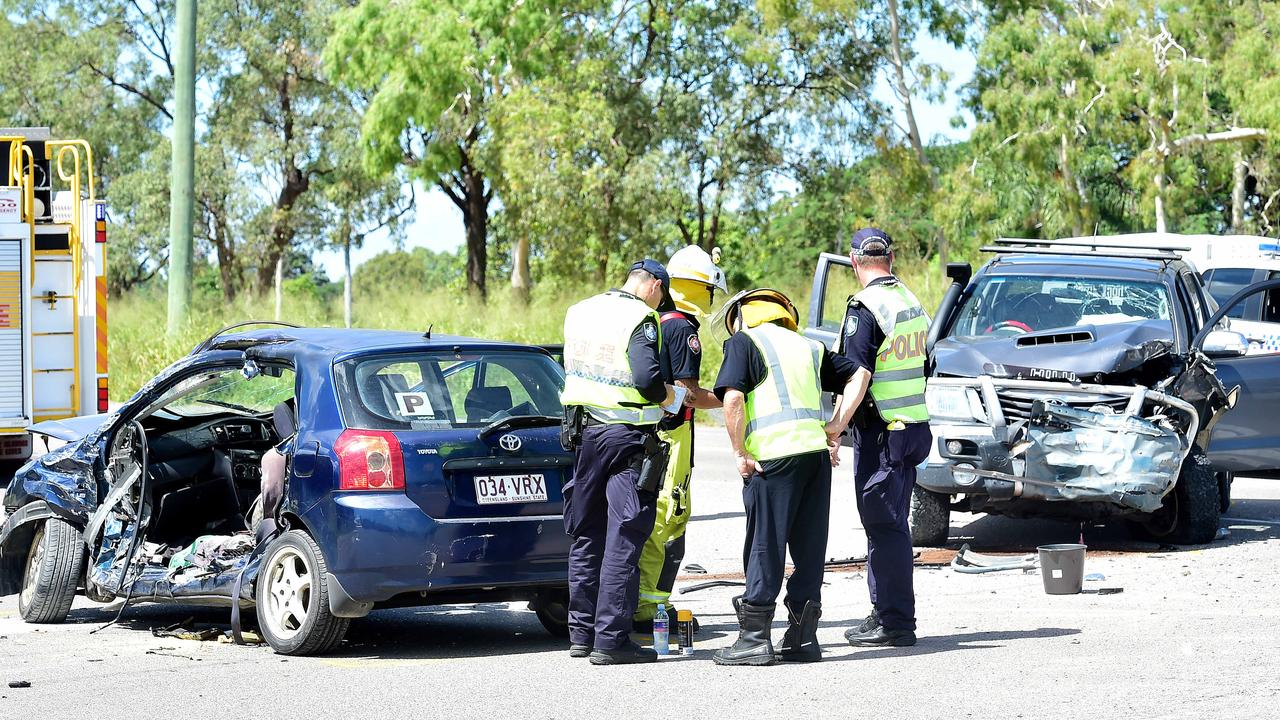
{"points": [[1225, 344], [960, 273]]}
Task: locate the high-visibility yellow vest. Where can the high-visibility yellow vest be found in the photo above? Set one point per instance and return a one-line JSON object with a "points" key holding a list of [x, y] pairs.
{"points": [[784, 414], [897, 384], [597, 332]]}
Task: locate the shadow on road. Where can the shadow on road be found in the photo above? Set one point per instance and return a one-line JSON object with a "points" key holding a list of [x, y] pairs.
{"points": [[928, 645], [447, 632], [1248, 520]]}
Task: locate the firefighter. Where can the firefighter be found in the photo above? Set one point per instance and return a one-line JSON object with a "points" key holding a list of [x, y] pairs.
{"points": [[614, 390], [695, 277], [771, 383], [884, 338]]}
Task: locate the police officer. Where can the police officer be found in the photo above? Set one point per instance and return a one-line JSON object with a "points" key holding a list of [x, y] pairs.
{"points": [[771, 383], [695, 277], [614, 382], [884, 337]]}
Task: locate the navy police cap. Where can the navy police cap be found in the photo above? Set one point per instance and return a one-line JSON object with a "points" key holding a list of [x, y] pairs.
{"points": [[654, 268], [870, 241]]}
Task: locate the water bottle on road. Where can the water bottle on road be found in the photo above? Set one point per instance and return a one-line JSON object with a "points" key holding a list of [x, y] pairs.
{"points": [[661, 633]]}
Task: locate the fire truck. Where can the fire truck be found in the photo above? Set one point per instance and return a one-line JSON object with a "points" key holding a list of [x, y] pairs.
{"points": [[53, 287]]}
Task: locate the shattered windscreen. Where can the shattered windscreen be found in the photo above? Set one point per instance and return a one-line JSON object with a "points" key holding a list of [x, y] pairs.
{"points": [[1017, 304]]}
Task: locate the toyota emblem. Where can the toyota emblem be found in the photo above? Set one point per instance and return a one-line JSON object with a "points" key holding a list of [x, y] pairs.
{"points": [[509, 442]]}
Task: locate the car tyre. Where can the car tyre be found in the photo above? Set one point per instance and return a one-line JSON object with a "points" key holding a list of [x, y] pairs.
{"points": [[553, 613], [1225, 478], [292, 598], [930, 518], [51, 572], [1190, 514]]}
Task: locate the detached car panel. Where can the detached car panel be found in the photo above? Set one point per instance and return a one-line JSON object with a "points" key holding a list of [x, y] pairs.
{"points": [[421, 471]]}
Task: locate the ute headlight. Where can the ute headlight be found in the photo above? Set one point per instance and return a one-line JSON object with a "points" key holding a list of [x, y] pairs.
{"points": [[954, 403]]}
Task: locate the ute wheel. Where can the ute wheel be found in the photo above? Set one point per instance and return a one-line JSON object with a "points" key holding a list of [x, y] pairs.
{"points": [[553, 612], [51, 573], [292, 598], [1225, 478], [930, 519], [1189, 515]]}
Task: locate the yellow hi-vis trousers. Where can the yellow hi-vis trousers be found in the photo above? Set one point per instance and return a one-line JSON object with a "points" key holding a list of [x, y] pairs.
{"points": [[664, 550]]}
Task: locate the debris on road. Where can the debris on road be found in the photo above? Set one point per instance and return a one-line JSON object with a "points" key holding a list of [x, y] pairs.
{"points": [[19, 683], [972, 563]]}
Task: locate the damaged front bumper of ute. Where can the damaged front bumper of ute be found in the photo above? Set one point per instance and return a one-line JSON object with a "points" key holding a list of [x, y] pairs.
{"points": [[1102, 449]]}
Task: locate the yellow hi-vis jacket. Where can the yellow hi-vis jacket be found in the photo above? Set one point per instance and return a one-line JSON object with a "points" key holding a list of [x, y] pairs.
{"points": [[897, 384], [784, 414], [597, 332]]}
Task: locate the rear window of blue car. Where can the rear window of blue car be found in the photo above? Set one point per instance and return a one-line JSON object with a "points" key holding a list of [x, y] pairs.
{"points": [[421, 391]]}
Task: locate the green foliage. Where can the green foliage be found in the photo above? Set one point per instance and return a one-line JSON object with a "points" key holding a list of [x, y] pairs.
{"points": [[413, 271]]}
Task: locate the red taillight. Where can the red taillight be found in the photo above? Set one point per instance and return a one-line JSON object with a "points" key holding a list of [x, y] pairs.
{"points": [[369, 460], [102, 395]]}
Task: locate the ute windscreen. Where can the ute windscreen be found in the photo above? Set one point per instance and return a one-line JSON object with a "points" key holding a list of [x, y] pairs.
{"points": [[422, 391], [1015, 304]]}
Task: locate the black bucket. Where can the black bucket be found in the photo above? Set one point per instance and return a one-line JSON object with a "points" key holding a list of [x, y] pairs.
{"points": [[1062, 568]]}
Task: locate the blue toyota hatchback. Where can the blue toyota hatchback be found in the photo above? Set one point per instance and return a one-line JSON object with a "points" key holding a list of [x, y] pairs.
{"points": [[424, 470]]}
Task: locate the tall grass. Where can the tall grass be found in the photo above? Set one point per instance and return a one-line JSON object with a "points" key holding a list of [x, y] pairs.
{"points": [[138, 346]]}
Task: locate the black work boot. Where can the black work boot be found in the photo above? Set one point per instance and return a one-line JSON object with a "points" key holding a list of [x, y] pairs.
{"points": [[579, 651], [754, 645], [869, 623], [628, 654], [800, 644], [881, 636]]}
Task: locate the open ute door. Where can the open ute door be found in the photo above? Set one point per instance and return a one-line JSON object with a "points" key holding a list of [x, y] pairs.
{"points": [[1247, 437], [833, 283]]}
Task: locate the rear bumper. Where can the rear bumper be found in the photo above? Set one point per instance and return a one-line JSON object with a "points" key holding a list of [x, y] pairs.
{"points": [[380, 545]]}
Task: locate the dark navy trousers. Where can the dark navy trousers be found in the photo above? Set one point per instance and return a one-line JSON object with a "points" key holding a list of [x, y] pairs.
{"points": [[609, 522], [789, 504], [884, 474]]}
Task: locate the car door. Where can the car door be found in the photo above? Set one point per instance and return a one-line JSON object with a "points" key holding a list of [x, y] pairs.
{"points": [[1247, 437], [833, 284]]}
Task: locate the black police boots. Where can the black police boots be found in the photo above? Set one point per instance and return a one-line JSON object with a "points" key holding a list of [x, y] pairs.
{"points": [[628, 654], [754, 645], [800, 644], [869, 623], [881, 636]]}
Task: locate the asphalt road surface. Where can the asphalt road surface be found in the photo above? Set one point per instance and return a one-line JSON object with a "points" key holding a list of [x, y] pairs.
{"points": [[1195, 633]]}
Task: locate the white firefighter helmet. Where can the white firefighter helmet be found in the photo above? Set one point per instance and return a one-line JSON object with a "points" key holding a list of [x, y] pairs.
{"points": [[693, 263]]}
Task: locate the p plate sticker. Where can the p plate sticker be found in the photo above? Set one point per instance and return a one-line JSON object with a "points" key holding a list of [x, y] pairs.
{"points": [[695, 345], [650, 331], [415, 404], [850, 325]]}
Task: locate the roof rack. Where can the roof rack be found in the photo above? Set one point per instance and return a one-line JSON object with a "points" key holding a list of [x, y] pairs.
{"points": [[1084, 247]]}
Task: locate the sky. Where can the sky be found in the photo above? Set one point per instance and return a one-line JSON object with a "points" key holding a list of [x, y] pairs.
{"points": [[437, 224]]}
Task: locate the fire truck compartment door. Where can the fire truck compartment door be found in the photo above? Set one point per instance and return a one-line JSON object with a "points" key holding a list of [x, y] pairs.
{"points": [[53, 311]]}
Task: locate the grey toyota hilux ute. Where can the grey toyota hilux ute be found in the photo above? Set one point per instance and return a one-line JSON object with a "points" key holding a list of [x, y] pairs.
{"points": [[1082, 381]]}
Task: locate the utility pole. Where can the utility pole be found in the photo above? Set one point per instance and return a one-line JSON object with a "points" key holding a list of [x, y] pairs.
{"points": [[182, 171]]}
